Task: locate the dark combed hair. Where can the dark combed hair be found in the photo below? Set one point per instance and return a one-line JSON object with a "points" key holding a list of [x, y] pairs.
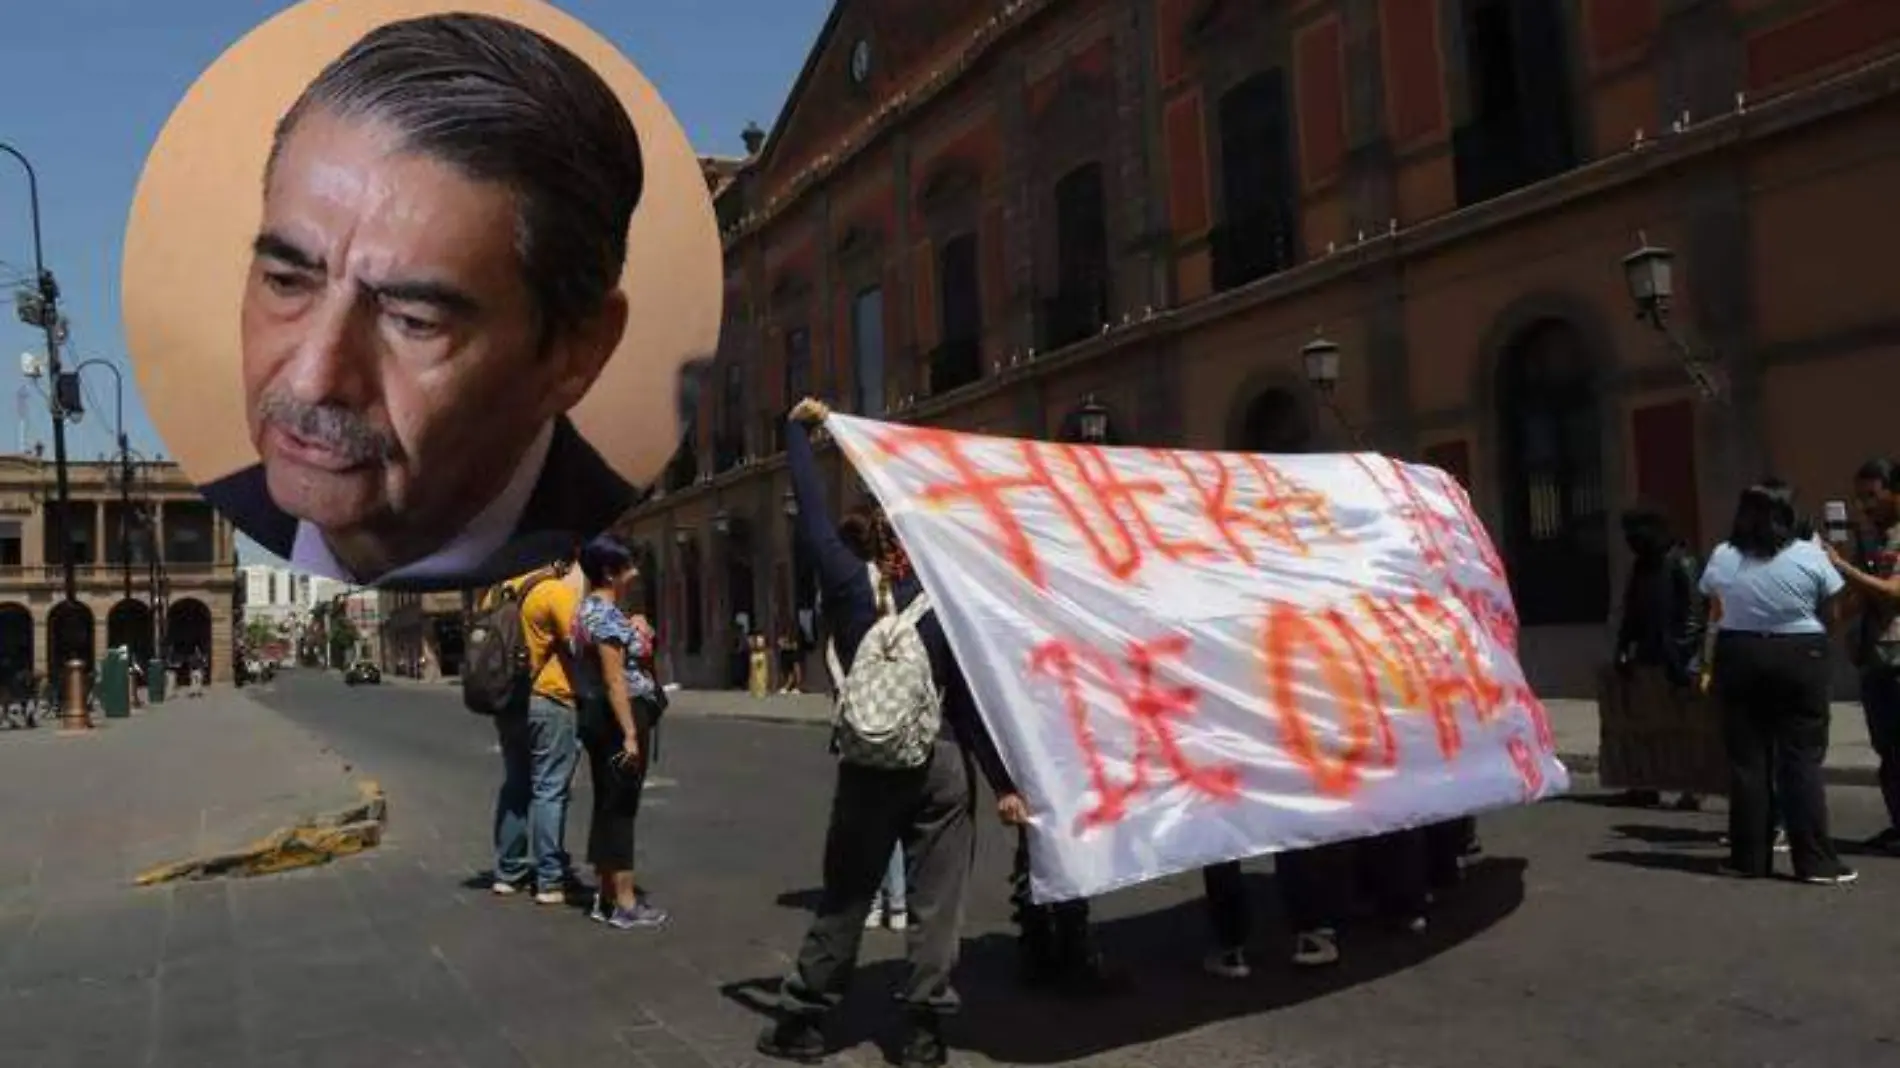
{"points": [[603, 558], [1882, 470], [501, 103], [1647, 529], [855, 531], [1765, 521]]}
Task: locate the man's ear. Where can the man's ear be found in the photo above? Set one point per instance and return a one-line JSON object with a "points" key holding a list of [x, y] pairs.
{"points": [[581, 354]]}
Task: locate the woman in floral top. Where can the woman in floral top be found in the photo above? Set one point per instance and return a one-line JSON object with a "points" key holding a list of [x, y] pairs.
{"points": [[619, 703]]}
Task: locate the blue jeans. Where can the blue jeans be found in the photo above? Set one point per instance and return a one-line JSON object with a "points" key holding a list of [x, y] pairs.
{"points": [[891, 896], [539, 752]]}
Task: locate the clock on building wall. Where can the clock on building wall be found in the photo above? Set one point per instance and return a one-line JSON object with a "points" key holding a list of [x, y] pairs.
{"points": [[861, 60]]}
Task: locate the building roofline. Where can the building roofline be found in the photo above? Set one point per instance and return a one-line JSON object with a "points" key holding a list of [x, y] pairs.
{"points": [[926, 89]]}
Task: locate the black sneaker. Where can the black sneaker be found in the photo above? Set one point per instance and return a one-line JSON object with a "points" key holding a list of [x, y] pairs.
{"points": [[1090, 977], [923, 1046], [1887, 841], [799, 1039], [1839, 875]]}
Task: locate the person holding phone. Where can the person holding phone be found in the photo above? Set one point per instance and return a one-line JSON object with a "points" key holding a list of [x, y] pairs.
{"points": [[619, 706], [1875, 580]]}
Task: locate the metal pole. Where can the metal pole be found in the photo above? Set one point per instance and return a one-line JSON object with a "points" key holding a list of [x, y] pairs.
{"points": [[73, 714], [125, 464]]}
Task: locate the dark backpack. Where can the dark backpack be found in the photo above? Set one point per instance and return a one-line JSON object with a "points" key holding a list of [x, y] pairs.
{"points": [[495, 676]]}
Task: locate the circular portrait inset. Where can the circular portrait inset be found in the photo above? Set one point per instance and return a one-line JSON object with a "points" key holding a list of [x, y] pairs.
{"points": [[415, 289]]}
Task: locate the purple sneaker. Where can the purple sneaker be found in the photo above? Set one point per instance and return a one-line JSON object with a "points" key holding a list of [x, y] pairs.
{"points": [[640, 915]]}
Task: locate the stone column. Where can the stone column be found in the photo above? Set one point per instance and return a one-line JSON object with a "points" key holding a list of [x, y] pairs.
{"points": [[1136, 136], [1019, 210]]}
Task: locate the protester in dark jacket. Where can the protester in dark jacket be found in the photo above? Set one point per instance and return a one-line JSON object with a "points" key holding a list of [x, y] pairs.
{"points": [[1663, 615], [929, 810]]}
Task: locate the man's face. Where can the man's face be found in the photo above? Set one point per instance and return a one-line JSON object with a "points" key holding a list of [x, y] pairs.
{"points": [[1879, 504], [393, 370]]}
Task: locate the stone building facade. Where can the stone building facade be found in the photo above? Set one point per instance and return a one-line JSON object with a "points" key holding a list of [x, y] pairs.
{"points": [[159, 574], [421, 634], [979, 215]]}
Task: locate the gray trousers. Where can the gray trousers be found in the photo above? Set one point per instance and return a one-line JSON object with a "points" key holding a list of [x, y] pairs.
{"points": [[931, 811]]}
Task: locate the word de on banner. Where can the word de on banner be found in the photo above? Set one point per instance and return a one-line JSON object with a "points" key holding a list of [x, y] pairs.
{"points": [[1194, 657]]}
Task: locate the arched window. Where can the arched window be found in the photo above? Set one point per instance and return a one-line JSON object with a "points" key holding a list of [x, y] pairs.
{"points": [[1080, 305], [1555, 525], [959, 358], [1275, 422], [1255, 238]]}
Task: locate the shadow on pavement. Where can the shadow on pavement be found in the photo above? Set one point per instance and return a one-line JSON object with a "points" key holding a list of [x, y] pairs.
{"points": [[800, 900], [1671, 861], [1169, 995], [1680, 837], [1613, 799]]}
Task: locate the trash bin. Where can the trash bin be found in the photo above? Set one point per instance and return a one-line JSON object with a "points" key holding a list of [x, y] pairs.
{"points": [[154, 680], [115, 684]]}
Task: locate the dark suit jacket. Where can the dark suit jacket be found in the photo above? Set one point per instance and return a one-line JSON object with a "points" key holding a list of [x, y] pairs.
{"points": [[577, 496]]}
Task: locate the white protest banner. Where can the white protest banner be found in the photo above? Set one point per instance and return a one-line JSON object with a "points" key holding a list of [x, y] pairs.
{"points": [[1193, 657]]}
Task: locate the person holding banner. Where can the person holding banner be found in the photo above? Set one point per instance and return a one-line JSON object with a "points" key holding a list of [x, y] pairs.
{"points": [[930, 809]]}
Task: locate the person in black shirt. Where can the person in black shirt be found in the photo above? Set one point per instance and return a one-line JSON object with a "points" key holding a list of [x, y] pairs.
{"points": [[929, 810]]}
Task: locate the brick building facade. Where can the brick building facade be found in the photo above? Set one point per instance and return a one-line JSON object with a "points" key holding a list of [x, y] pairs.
{"points": [[979, 214]]}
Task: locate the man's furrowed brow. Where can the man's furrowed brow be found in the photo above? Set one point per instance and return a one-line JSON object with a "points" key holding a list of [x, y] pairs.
{"points": [[424, 291], [275, 246]]}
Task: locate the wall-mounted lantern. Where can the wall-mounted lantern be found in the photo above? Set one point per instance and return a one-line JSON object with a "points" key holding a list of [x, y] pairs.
{"points": [[1649, 272]]}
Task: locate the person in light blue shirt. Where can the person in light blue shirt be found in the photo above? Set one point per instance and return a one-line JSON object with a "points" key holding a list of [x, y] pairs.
{"points": [[1771, 595]]}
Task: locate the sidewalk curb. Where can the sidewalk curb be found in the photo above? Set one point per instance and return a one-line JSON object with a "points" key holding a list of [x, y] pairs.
{"points": [[1578, 763], [311, 842]]}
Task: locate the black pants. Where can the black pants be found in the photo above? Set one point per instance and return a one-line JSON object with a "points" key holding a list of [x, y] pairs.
{"points": [[1316, 884], [1228, 911], [1774, 695], [1395, 870], [1052, 937], [931, 810], [1445, 845], [617, 786], [1880, 700]]}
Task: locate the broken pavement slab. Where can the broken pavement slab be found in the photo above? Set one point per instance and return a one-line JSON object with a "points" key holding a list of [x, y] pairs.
{"points": [[193, 778], [317, 840]]}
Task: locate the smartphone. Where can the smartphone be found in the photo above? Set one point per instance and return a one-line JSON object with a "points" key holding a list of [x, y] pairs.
{"points": [[1834, 519]]}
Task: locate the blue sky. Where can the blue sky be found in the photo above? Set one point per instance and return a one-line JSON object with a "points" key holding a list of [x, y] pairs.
{"points": [[85, 86]]}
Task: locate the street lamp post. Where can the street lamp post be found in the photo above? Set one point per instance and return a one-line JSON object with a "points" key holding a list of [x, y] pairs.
{"points": [[40, 307], [74, 411]]}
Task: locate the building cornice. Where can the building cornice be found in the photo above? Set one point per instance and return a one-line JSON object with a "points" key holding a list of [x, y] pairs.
{"points": [[1854, 91], [998, 30]]}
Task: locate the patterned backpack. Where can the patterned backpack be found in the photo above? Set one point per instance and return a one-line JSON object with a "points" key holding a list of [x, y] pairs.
{"points": [[889, 709]]}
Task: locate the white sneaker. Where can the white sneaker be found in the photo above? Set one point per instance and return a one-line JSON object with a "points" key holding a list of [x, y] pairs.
{"points": [[897, 921], [1311, 949], [550, 897], [1227, 964], [504, 888], [875, 919]]}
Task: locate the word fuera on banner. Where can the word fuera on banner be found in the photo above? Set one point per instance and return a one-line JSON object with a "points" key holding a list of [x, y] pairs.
{"points": [[1192, 657]]}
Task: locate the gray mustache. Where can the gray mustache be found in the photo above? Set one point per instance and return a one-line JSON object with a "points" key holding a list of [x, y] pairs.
{"points": [[338, 429]]}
